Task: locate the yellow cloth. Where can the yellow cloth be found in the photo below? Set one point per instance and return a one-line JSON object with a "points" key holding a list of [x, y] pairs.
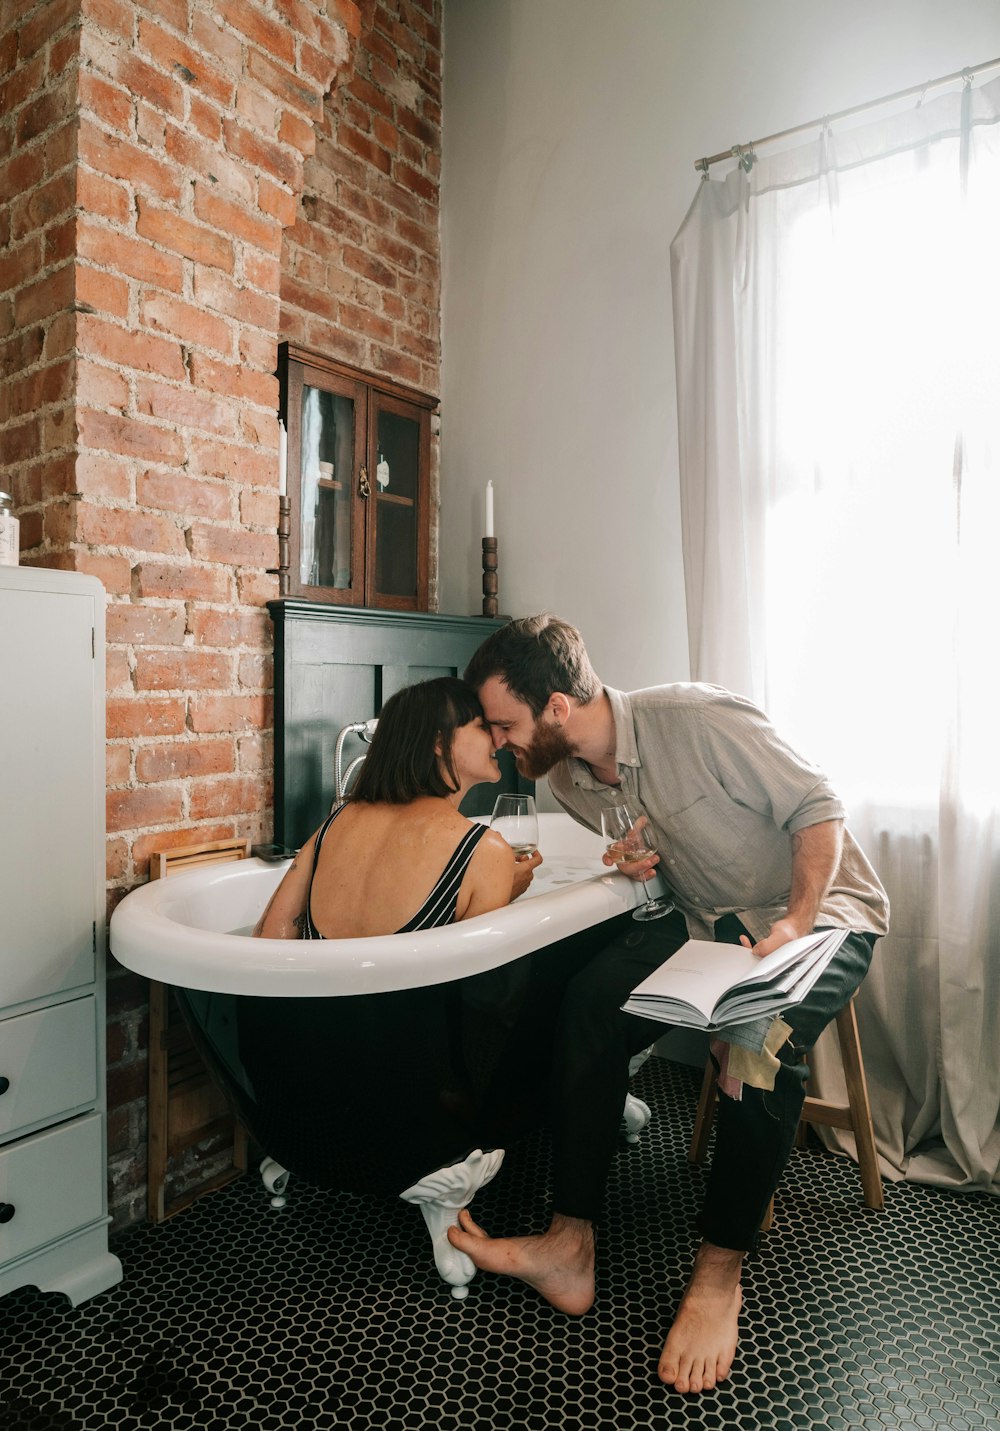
{"points": [[759, 1069]]}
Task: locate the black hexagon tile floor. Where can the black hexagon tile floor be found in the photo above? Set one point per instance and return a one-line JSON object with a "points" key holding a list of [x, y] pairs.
{"points": [[328, 1313]]}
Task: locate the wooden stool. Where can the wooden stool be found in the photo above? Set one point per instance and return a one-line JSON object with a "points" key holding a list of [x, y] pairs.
{"points": [[856, 1115]]}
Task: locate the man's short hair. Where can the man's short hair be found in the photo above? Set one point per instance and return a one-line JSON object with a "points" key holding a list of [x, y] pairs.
{"points": [[535, 657]]}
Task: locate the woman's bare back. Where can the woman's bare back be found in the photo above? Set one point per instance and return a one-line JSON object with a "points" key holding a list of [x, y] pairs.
{"points": [[378, 864]]}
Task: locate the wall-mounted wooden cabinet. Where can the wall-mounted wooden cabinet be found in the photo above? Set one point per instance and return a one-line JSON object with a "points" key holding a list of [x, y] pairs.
{"points": [[358, 484]]}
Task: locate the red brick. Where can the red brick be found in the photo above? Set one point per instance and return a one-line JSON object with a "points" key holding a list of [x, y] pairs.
{"points": [[365, 148], [174, 492], [323, 65], [115, 16], [243, 794], [276, 160], [362, 320], [96, 194], [137, 531], [396, 365], [240, 223], [51, 294], [116, 158], [60, 241], [129, 438], [211, 38], [284, 84], [236, 548], [45, 22], [116, 862], [26, 80], [294, 130], [233, 380], [183, 582], [129, 349], [181, 759], [212, 714], [101, 387], [370, 267], [222, 295], [109, 103], [186, 321], [116, 677], [114, 572], [161, 91], [100, 292], [372, 98], [259, 509], [205, 118], [134, 624], [255, 752], [187, 151], [21, 263], [255, 588], [99, 475], [170, 231], [122, 254], [22, 350], [182, 671], [259, 109], [144, 716], [138, 809], [229, 629], [172, 54], [186, 407], [217, 459], [262, 271], [35, 390], [279, 202], [269, 35], [256, 672]]}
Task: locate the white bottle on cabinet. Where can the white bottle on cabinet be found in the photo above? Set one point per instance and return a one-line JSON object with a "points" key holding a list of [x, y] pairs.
{"points": [[53, 1145]]}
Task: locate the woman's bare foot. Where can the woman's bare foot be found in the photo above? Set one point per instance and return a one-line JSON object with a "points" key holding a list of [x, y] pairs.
{"points": [[700, 1347], [559, 1264]]}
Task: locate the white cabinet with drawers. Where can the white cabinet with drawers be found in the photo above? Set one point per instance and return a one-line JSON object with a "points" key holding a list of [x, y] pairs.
{"points": [[53, 1158]]}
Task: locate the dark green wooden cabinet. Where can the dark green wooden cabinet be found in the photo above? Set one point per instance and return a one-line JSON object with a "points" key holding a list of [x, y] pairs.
{"points": [[336, 665]]}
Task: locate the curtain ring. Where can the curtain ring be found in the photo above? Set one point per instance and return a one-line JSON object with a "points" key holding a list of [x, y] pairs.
{"points": [[967, 77]]}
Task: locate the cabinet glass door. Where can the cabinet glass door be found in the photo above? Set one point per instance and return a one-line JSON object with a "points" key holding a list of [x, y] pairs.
{"points": [[399, 441], [327, 465]]}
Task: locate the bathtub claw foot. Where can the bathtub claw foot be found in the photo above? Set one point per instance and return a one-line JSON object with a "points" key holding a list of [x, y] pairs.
{"points": [[440, 1196], [636, 1115], [275, 1179]]}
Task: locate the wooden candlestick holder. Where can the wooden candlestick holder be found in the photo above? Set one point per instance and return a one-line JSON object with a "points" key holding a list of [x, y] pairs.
{"points": [[284, 528], [491, 605]]}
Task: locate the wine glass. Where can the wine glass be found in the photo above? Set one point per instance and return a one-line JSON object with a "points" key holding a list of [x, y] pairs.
{"points": [[632, 838], [514, 817]]}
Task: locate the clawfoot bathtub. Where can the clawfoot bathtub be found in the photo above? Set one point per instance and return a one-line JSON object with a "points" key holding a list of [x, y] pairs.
{"points": [[374, 1065]]}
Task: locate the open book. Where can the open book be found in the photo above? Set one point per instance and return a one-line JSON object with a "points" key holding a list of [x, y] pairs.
{"points": [[709, 986]]}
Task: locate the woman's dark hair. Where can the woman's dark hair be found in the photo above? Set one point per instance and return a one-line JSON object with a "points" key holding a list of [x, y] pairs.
{"points": [[535, 657], [403, 763]]}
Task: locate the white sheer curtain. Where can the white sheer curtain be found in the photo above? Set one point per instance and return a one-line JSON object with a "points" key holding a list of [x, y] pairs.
{"points": [[838, 372]]}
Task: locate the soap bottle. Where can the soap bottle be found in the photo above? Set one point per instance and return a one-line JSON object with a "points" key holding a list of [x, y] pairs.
{"points": [[9, 532]]}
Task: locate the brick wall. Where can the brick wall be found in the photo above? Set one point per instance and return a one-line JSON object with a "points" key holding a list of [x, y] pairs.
{"points": [[152, 156]]}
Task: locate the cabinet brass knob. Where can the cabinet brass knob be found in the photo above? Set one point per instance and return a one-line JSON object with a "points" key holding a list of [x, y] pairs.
{"points": [[363, 486], [6, 1211]]}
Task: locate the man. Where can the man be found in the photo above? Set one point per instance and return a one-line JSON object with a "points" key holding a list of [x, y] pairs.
{"points": [[754, 850]]}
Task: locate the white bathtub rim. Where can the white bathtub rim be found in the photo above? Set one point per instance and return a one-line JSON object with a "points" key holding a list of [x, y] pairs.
{"points": [[154, 933]]}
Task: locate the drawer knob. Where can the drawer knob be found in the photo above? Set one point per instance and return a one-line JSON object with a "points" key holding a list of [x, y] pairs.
{"points": [[4, 1083], [6, 1211]]}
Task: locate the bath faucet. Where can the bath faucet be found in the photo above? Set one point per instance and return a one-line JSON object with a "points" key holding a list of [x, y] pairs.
{"points": [[365, 729]]}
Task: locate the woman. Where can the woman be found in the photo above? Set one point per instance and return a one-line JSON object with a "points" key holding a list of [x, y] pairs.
{"points": [[370, 1092], [398, 856]]}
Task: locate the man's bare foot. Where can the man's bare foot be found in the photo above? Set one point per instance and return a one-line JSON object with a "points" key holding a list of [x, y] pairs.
{"points": [[559, 1264], [700, 1347]]}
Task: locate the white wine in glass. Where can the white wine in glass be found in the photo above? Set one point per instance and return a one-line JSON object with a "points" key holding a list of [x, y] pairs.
{"points": [[631, 838], [514, 817]]}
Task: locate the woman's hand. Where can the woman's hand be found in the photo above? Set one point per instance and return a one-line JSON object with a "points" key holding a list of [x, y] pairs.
{"points": [[524, 873]]}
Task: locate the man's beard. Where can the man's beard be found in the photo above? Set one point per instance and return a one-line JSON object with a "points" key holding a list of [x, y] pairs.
{"points": [[548, 746]]}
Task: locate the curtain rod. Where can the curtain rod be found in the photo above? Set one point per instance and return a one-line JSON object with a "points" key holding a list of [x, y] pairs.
{"points": [[744, 151]]}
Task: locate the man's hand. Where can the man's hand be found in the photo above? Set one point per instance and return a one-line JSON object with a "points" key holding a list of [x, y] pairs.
{"points": [[524, 873], [635, 869], [782, 931]]}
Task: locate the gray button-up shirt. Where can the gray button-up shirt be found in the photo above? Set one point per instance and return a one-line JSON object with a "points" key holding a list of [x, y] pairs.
{"points": [[725, 794]]}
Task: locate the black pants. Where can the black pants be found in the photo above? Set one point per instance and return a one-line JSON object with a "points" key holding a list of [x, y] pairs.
{"points": [[594, 1041]]}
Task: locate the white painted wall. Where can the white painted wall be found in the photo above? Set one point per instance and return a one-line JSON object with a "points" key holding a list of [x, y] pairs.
{"points": [[570, 132]]}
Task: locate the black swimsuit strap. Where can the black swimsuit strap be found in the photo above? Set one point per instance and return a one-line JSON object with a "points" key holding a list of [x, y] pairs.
{"points": [[310, 931]]}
